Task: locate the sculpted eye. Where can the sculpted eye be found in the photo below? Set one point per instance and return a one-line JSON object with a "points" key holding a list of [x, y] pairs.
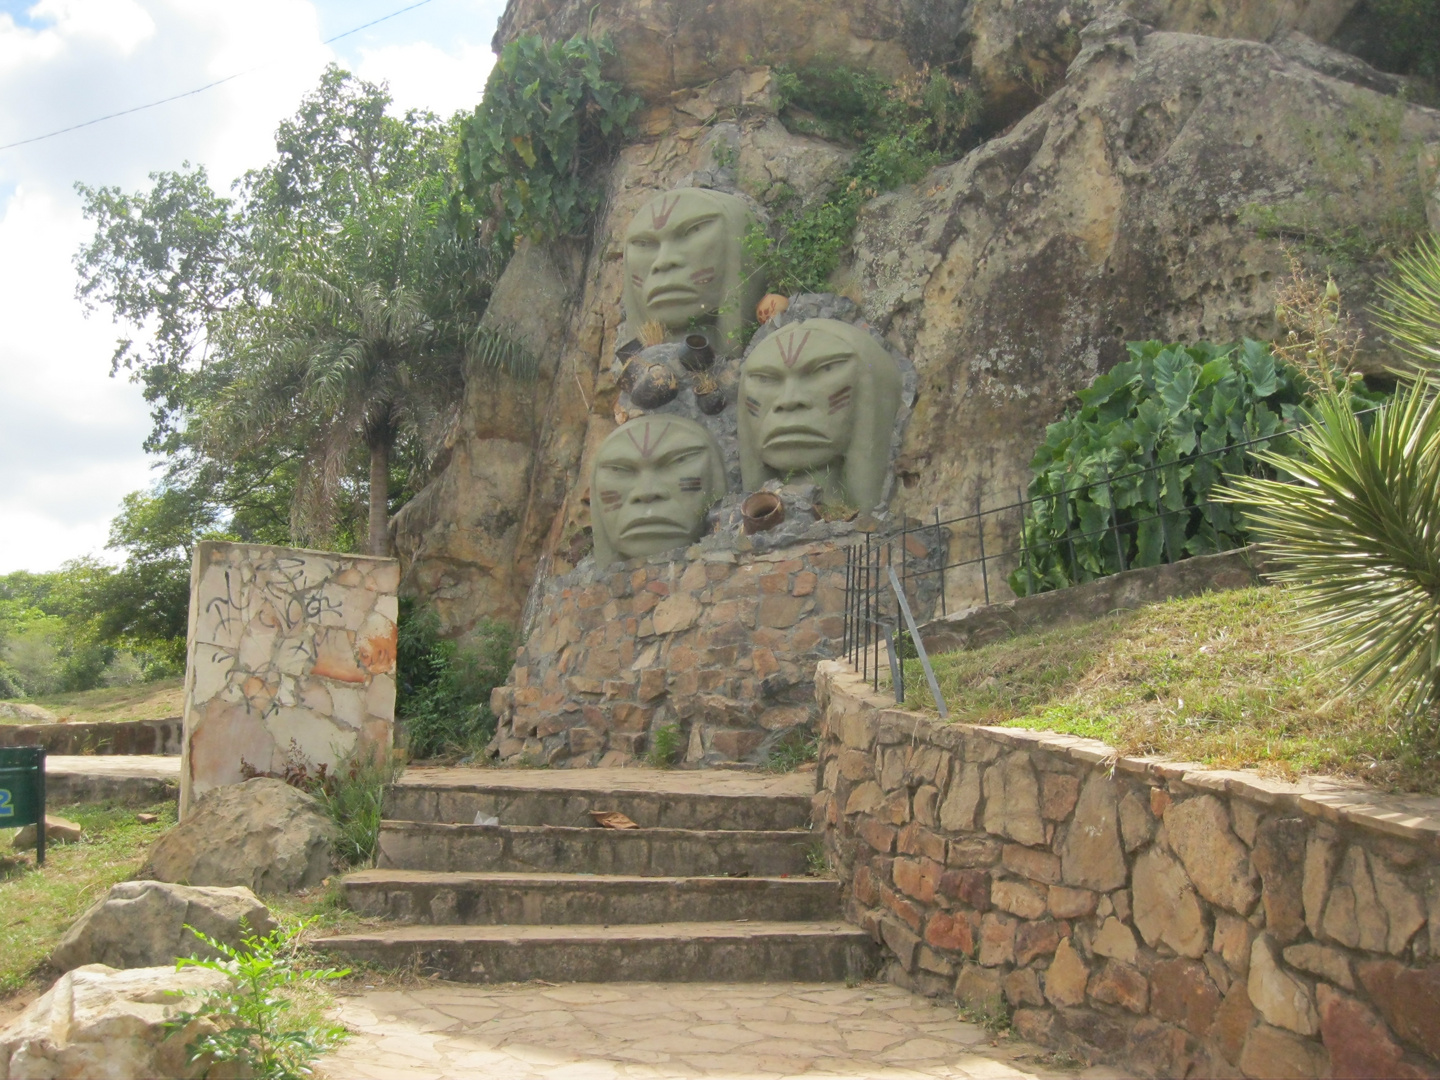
{"points": [[644, 243], [763, 376], [829, 365], [618, 469]]}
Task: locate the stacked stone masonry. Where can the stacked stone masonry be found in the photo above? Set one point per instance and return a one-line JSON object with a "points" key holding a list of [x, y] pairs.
{"points": [[1176, 920], [723, 646]]}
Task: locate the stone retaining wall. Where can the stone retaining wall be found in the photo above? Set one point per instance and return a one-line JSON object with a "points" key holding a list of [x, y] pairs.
{"points": [[1177, 920], [103, 737], [723, 646]]}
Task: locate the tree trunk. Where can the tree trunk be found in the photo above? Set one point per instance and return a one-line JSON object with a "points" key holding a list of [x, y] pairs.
{"points": [[379, 498]]}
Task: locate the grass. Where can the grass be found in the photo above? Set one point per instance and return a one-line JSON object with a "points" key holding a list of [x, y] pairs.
{"points": [[138, 701], [1220, 679], [38, 905]]}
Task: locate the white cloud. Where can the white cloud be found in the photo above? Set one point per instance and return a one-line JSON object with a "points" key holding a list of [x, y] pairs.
{"points": [[70, 436], [423, 76]]}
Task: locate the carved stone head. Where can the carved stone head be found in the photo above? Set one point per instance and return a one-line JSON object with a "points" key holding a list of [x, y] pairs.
{"points": [[685, 265], [819, 399], [653, 480]]}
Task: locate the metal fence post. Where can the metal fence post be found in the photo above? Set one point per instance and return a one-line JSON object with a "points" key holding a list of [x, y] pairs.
{"points": [[1115, 523], [944, 550], [980, 531]]}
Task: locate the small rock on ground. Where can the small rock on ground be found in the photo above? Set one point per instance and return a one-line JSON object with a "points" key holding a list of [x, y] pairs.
{"points": [[58, 830]]}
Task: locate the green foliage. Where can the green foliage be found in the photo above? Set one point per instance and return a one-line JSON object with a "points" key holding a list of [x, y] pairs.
{"points": [[1370, 188], [795, 749], [443, 693], [1181, 409], [899, 132], [1358, 540], [529, 153], [256, 1015], [1402, 36], [352, 794], [1411, 313], [664, 746]]}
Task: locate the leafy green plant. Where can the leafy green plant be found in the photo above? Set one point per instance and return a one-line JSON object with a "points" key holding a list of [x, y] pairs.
{"points": [[443, 691], [259, 1027], [1411, 314], [1162, 407], [664, 746], [795, 749], [1358, 540], [548, 119], [353, 797], [900, 132], [817, 862]]}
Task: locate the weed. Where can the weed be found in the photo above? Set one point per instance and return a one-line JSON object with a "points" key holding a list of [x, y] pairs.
{"points": [[353, 800], [259, 1026], [797, 747], [817, 862], [992, 1014], [664, 746]]}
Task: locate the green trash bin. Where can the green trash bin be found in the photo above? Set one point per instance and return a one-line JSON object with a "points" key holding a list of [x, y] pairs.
{"points": [[22, 792]]}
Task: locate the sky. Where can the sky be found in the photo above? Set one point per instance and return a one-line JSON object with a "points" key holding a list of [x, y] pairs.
{"points": [[70, 434]]}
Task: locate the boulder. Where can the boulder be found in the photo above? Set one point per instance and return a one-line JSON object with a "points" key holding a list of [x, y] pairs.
{"points": [[11, 711], [58, 830], [262, 834], [99, 1022], [143, 924], [1118, 210]]}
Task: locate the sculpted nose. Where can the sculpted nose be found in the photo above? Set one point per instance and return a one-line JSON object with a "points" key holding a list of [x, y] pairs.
{"points": [[647, 490], [791, 400], [667, 258]]}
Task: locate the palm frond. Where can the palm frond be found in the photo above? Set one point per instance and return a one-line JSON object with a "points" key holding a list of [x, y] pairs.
{"points": [[1412, 312], [495, 350], [1357, 535]]}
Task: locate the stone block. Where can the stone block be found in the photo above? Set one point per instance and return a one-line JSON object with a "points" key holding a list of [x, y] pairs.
{"points": [[923, 804], [735, 744], [1233, 1021], [1217, 863], [781, 611], [1408, 998], [1370, 907], [1270, 1052], [1067, 977], [1166, 908], [880, 837], [1091, 856], [1321, 857], [1359, 1043], [968, 886], [957, 811], [898, 905], [971, 851], [1018, 898], [1136, 823], [1012, 800], [954, 932], [1321, 960], [1279, 857], [676, 613], [1036, 864], [1282, 999], [917, 878], [1022, 987], [980, 988], [1067, 903], [1036, 939], [1115, 940], [652, 684], [997, 939], [1058, 792], [1233, 938], [901, 941], [1120, 984], [915, 839], [1182, 993]]}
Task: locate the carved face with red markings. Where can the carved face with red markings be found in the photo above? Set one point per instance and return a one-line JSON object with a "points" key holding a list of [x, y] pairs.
{"points": [[654, 479], [685, 263], [819, 397]]}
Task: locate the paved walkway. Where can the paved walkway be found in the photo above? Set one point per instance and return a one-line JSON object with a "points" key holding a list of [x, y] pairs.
{"points": [[620, 1031]]}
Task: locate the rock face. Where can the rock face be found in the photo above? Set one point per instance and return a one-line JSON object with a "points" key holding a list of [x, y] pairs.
{"points": [[1123, 205], [143, 924], [262, 834], [99, 1022]]}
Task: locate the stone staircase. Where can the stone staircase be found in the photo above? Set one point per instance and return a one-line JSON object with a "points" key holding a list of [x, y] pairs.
{"points": [[712, 886]]}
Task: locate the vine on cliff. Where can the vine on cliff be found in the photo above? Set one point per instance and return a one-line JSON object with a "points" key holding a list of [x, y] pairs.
{"points": [[548, 119], [899, 132]]}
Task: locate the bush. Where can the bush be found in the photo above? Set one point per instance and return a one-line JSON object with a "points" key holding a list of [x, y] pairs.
{"points": [[1163, 407], [548, 119], [443, 697]]}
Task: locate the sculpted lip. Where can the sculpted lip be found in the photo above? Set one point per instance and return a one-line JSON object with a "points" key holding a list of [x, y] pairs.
{"points": [[654, 526], [796, 435], [670, 294]]}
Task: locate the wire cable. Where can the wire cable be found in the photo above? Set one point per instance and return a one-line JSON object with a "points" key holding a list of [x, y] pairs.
{"points": [[202, 89]]}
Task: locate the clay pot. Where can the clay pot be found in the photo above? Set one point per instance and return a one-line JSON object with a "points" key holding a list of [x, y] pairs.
{"points": [[654, 385], [629, 349], [771, 304], [761, 511], [630, 373], [711, 404], [699, 354]]}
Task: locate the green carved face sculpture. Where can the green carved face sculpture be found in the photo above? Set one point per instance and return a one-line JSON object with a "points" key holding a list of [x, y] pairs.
{"points": [[653, 480], [685, 264], [819, 398]]}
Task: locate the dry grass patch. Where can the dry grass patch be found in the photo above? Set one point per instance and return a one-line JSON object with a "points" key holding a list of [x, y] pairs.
{"points": [[1220, 679], [139, 701]]}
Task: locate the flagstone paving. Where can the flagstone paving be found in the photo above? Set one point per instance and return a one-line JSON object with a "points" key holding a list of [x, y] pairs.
{"points": [[620, 1031]]}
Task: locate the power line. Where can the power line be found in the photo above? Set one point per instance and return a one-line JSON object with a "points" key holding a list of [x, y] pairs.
{"points": [[207, 86]]}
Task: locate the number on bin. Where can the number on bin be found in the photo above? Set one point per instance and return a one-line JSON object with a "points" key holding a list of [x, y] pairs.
{"points": [[6, 810]]}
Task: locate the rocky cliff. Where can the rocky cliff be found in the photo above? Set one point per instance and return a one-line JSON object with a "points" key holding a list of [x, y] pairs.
{"points": [[1149, 163]]}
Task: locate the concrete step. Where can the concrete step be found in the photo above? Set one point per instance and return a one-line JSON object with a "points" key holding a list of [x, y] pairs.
{"points": [[655, 952], [427, 897], [708, 799], [418, 845]]}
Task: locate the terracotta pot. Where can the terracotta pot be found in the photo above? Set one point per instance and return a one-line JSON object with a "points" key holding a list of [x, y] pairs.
{"points": [[699, 354], [762, 511]]}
